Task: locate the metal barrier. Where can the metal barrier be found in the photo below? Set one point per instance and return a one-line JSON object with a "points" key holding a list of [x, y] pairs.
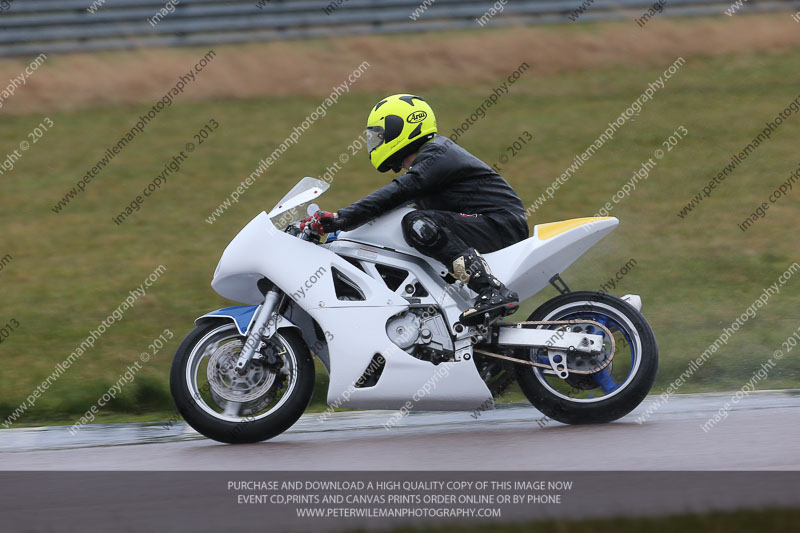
{"points": [[34, 26]]}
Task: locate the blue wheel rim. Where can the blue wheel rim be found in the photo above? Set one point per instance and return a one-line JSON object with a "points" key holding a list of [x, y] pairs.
{"points": [[603, 378]]}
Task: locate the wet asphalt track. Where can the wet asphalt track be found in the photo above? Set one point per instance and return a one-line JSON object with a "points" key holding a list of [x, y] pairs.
{"points": [[760, 433], [630, 469]]}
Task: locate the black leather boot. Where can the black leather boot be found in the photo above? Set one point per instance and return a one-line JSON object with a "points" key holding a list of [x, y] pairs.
{"points": [[494, 299]]}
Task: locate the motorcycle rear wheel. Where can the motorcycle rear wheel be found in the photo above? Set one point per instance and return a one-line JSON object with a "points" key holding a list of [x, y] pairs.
{"points": [[604, 396]]}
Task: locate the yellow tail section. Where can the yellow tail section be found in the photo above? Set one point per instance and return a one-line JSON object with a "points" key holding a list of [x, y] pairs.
{"points": [[552, 229]]}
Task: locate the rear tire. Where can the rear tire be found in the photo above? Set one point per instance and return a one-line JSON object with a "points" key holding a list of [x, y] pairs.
{"points": [[535, 383], [250, 429]]}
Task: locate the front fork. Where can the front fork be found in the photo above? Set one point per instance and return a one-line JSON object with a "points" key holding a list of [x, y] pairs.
{"points": [[270, 307], [257, 329]]}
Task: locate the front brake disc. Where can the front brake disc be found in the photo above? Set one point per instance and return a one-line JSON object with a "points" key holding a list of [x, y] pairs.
{"points": [[226, 383]]}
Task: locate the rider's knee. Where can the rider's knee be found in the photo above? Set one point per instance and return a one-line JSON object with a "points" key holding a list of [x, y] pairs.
{"points": [[421, 230]]}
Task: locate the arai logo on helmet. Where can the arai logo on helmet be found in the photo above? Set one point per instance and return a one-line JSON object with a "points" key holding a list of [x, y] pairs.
{"points": [[417, 116]]}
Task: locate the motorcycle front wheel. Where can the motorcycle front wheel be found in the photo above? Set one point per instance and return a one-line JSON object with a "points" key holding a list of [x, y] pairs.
{"points": [[608, 394], [223, 405]]}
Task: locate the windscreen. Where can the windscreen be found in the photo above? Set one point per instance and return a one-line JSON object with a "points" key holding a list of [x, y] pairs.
{"points": [[291, 208]]}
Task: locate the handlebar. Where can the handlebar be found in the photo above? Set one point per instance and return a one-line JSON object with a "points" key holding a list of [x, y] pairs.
{"points": [[294, 231]]}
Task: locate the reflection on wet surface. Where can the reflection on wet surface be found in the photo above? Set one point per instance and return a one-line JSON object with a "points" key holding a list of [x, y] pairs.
{"points": [[317, 426]]}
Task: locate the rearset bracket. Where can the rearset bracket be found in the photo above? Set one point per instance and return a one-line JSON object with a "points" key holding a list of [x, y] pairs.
{"points": [[559, 284]]}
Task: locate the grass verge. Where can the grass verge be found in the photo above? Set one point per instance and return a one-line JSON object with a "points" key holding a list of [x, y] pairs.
{"points": [[696, 274]]}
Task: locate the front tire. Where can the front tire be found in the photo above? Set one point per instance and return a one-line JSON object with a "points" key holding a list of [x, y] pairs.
{"points": [[226, 407], [606, 395]]}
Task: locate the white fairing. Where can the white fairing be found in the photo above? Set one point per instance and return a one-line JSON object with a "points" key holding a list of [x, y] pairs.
{"points": [[528, 266], [384, 232], [387, 232], [356, 329], [525, 267]]}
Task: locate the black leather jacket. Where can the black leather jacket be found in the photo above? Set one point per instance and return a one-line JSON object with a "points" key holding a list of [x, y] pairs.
{"points": [[445, 177]]}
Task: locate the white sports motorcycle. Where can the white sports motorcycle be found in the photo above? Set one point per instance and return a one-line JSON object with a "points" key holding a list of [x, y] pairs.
{"points": [[383, 321]]}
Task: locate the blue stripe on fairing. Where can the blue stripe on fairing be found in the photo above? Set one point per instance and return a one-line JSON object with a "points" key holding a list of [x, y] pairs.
{"points": [[242, 316]]}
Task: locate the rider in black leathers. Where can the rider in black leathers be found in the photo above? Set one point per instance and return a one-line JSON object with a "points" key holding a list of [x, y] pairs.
{"points": [[463, 207]]}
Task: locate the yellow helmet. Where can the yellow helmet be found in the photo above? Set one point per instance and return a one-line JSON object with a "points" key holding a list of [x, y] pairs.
{"points": [[397, 126]]}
